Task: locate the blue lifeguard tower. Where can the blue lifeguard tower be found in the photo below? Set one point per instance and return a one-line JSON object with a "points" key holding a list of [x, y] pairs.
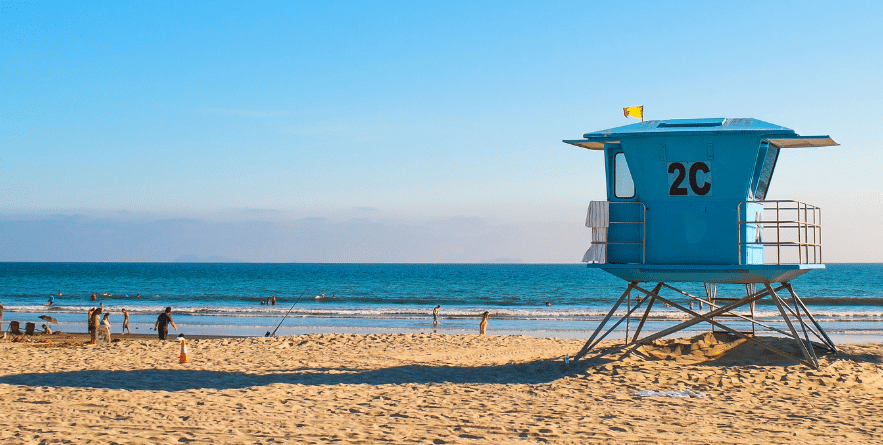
{"points": [[686, 203]]}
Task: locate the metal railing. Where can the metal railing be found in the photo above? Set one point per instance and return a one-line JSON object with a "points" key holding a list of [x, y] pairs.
{"points": [[642, 215], [789, 228]]}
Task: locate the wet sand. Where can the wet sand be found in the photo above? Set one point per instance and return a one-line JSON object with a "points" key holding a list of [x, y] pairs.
{"points": [[428, 388]]}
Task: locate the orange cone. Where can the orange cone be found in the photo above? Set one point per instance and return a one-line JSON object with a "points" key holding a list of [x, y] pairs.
{"points": [[183, 357]]}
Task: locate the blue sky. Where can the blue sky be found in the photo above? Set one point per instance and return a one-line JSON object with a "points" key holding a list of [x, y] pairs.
{"points": [[401, 131]]}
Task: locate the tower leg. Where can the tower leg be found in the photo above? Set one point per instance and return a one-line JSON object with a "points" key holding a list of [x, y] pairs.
{"points": [[644, 317], [810, 357], [750, 289], [821, 332], [711, 296], [594, 341], [588, 344]]}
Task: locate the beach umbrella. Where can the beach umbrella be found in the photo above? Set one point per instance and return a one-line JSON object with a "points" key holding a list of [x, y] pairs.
{"points": [[49, 319]]}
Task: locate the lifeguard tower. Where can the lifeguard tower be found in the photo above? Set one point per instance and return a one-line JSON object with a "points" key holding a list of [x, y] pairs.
{"points": [[685, 203]]}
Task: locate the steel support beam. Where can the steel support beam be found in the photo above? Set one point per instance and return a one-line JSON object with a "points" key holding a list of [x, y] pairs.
{"points": [[805, 344]]}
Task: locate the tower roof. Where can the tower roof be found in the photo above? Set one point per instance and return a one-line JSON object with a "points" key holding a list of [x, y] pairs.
{"points": [[775, 134], [693, 125]]}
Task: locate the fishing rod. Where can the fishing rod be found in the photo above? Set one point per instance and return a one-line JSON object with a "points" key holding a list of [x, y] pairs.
{"points": [[268, 334]]}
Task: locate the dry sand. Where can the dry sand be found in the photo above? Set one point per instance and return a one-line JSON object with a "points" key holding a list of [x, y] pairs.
{"points": [[426, 388]]}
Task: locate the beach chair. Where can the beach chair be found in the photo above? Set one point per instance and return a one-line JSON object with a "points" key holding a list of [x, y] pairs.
{"points": [[14, 328], [30, 327]]}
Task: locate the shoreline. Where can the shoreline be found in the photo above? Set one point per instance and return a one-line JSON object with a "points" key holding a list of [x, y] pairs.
{"points": [[849, 338], [857, 336], [300, 324]]}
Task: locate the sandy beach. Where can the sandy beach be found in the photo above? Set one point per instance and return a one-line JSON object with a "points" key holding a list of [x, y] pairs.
{"points": [[428, 388]]}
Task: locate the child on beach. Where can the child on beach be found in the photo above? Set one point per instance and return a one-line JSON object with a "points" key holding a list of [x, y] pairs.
{"points": [[435, 315], [46, 330], [482, 327]]}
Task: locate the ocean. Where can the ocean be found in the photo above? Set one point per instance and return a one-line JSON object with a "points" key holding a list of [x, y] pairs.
{"points": [[556, 300]]}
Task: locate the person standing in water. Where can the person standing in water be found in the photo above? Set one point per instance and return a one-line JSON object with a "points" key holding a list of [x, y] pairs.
{"points": [[482, 327], [435, 315]]}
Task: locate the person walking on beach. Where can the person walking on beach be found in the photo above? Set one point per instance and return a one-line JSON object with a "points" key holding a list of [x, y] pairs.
{"points": [[125, 323], [435, 315], [162, 323], [93, 325], [482, 327]]}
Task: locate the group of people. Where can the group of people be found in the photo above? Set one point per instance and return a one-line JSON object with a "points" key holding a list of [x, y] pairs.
{"points": [[482, 326], [99, 328], [94, 296], [46, 329], [269, 301], [99, 324]]}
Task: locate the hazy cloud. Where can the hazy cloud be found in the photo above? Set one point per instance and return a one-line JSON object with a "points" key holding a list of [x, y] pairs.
{"points": [[315, 239]]}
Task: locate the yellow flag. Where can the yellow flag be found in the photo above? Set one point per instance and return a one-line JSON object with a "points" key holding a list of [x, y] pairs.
{"points": [[637, 112]]}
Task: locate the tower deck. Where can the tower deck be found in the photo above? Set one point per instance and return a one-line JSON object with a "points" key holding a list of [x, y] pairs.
{"points": [[741, 274]]}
